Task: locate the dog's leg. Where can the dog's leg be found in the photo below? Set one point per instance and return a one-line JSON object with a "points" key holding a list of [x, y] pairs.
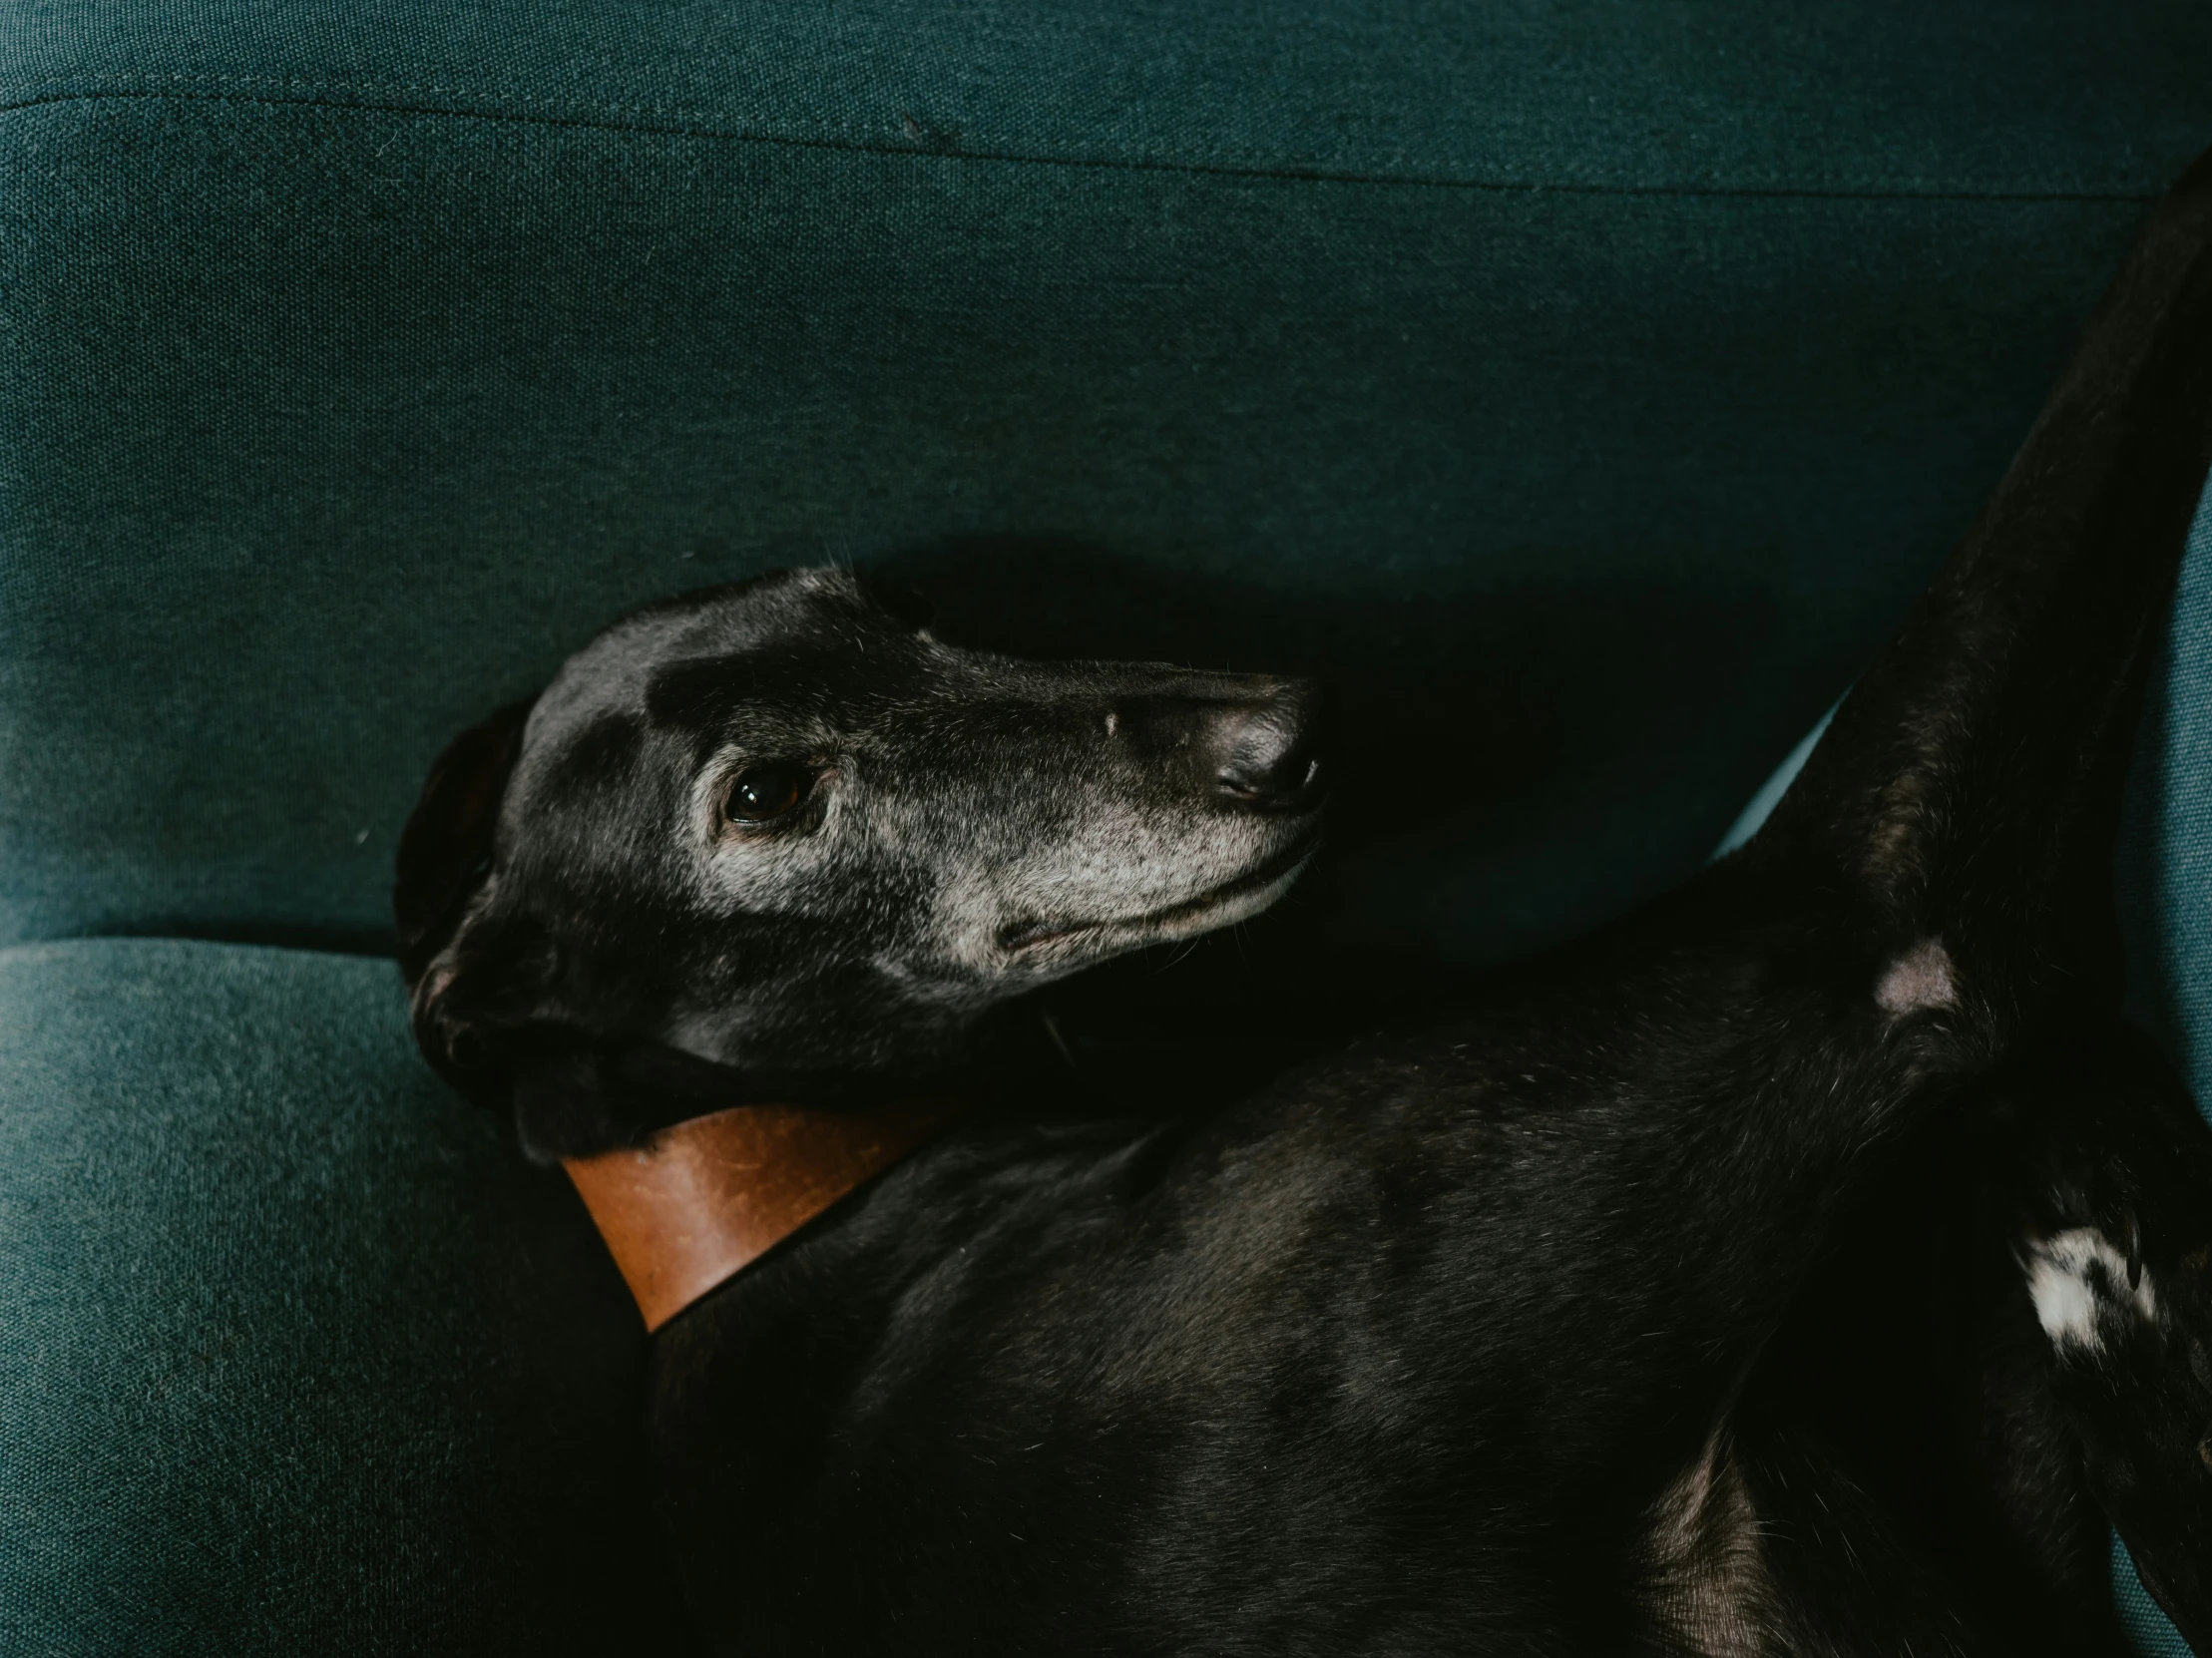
{"points": [[1934, 888], [1967, 788], [1939, 876], [1961, 811]]}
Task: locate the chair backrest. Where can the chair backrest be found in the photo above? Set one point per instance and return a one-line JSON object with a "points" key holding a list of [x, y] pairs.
{"points": [[1587, 387]]}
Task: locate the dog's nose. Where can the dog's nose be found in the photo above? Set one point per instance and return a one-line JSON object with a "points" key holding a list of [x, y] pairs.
{"points": [[1267, 749]]}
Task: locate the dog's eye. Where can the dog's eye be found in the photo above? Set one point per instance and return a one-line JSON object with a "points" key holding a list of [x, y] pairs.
{"points": [[763, 793]]}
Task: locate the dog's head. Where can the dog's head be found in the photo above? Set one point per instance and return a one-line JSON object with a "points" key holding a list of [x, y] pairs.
{"points": [[779, 829]]}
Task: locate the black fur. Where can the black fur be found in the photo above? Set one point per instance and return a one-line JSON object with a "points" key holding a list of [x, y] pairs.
{"points": [[1672, 1296]]}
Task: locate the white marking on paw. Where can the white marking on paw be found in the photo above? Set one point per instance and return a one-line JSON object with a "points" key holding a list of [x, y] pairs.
{"points": [[1920, 977], [2070, 1274]]}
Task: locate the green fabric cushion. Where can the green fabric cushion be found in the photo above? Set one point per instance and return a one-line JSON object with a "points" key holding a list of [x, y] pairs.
{"points": [[296, 1354], [1598, 379]]}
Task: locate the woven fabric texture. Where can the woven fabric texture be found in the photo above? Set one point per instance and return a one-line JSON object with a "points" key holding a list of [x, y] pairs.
{"points": [[296, 1355], [1597, 380]]}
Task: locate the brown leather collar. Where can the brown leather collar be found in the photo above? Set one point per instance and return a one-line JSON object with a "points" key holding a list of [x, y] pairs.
{"points": [[709, 1196]]}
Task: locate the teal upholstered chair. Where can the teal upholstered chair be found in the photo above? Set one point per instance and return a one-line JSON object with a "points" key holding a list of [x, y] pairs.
{"points": [[1590, 385]]}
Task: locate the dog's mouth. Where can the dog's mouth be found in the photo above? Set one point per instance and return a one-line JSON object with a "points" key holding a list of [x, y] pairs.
{"points": [[1193, 915]]}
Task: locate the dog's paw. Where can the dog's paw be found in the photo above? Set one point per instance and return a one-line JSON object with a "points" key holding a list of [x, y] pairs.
{"points": [[2114, 1251], [2124, 1299]]}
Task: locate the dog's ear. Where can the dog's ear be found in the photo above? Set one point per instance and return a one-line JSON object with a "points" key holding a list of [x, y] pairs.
{"points": [[445, 851]]}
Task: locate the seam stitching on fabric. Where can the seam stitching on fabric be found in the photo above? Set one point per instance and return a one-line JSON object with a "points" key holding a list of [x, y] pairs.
{"points": [[673, 124]]}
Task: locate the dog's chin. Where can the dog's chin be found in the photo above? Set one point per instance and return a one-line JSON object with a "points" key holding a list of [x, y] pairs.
{"points": [[1050, 949]]}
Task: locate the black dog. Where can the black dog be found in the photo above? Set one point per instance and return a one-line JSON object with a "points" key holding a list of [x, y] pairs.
{"points": [[1810, 1264]]}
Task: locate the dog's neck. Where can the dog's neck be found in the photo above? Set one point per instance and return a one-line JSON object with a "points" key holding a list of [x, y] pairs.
{"points": [[693, 1170], [708, 1196], [582, 1098]]}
